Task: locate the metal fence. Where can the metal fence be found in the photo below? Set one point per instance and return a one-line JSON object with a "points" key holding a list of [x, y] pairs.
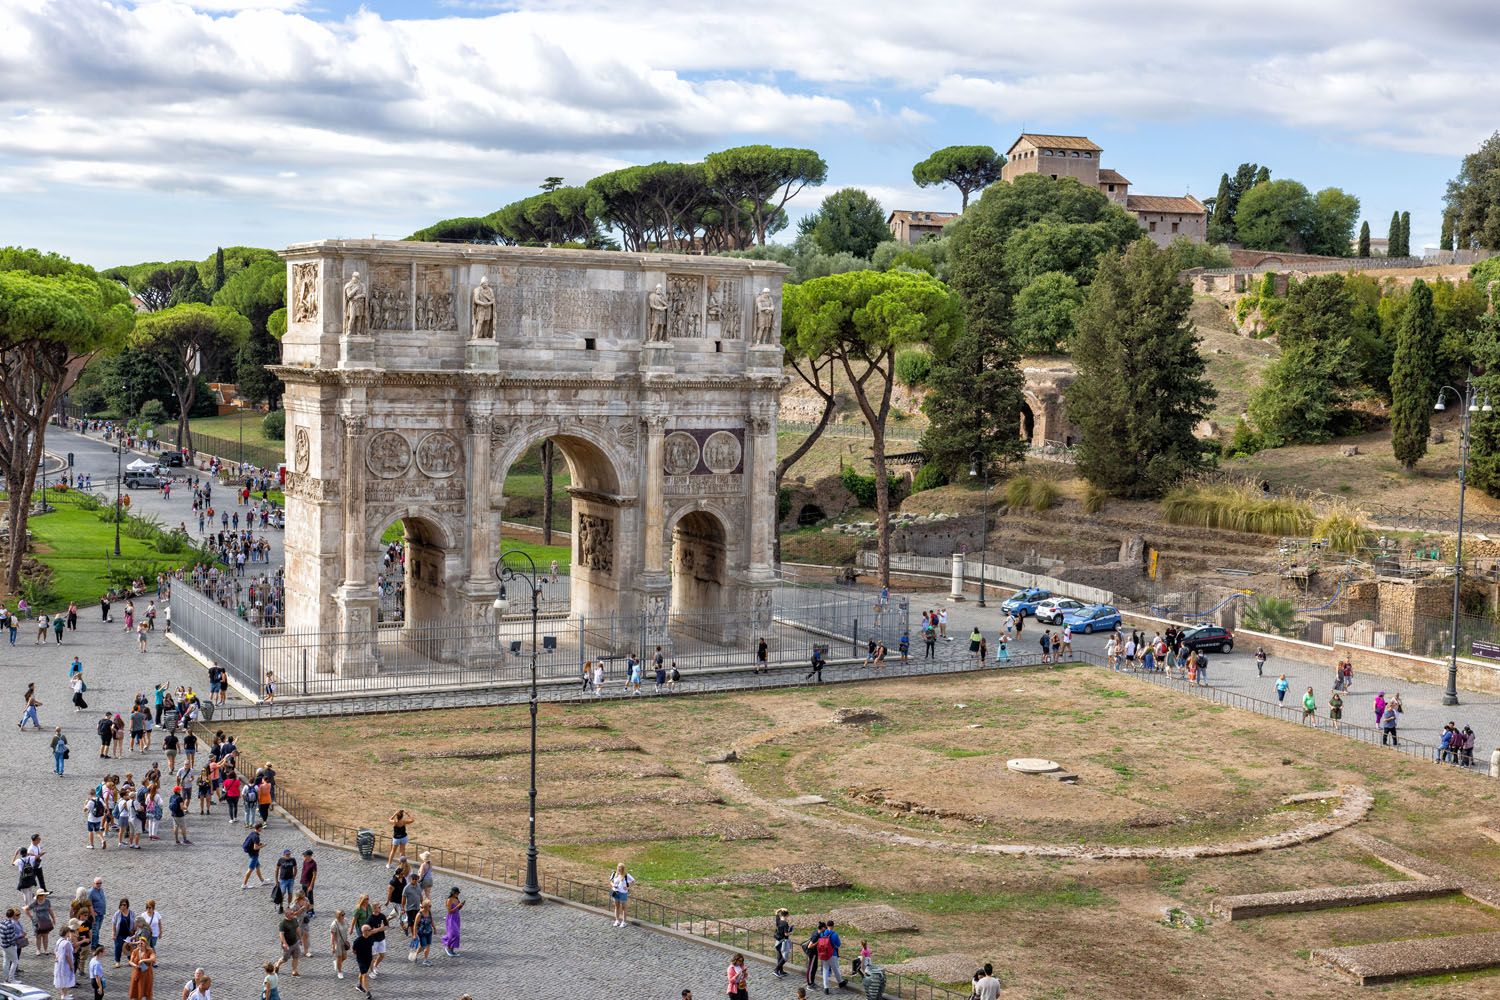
{"points": [[217, 633], [854, 429], [226, 449], [419, 656]]}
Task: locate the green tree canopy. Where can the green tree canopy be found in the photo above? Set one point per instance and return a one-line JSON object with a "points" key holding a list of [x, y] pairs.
{"points": [[1221, 226], [186, 340], [860, 320], [54, 316], [1305, 389], [256, 292], [1414, 377], [157, 284], [464, 229], [1141, 386], [1364, 239], [1473, 198], [848, 221], [755, 182], [1330, 229], [233, 260], [968, 168], [1044, 313], [1274, 216]]}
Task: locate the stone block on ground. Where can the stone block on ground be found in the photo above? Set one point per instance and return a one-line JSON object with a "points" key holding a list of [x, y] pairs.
{"points": [[722, 757], [874, 918], [810, 875], [1261, 904], [803, 800], [857, 717], [1372, 964], [949, 967]]}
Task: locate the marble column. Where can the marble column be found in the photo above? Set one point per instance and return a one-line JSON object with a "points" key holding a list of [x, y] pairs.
{"points": [[653, 497], [760, 466], [354, 500], [481, 518]]}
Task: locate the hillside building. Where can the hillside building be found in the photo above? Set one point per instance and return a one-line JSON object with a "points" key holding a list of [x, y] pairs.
{"points": [[1163, 217], [913, 227]]}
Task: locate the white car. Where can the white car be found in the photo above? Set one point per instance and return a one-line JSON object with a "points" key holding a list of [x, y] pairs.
{"points": [[20, 991], [1052, 609]]}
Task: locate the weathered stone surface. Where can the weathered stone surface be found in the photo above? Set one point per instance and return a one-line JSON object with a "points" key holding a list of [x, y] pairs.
{"points": [[1262, 904], [948, 967], [1032, 765], [803, 800], [1372, 964], [857, 717]]}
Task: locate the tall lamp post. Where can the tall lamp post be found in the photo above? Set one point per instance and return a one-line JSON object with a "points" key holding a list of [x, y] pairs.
{"points": [[531, 892], [1470, 401], [977, 468]]}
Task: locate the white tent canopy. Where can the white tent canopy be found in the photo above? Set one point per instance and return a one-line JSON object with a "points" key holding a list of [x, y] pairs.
{"points": [[141, 465]]}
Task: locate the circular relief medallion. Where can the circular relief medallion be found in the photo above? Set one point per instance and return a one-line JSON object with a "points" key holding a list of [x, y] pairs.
{"points": [[721, 452], [680, 453], [388, 455], [302, 451], [438, 455]]}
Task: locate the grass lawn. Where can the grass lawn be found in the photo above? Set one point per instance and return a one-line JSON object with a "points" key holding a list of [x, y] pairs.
{"points": [[79, 548], [228, 428]]}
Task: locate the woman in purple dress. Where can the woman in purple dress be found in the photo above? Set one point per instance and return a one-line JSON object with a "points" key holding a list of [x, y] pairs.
{"points": [[451, 932]]}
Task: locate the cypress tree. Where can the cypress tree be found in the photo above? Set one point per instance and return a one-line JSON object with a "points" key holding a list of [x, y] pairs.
{"points": [[1262, 175], [1141, 387], [1406, 234], [1393, 238], [1221, 225], [1445, 240], [1414, 377], [1364, 239], [218, 271]]}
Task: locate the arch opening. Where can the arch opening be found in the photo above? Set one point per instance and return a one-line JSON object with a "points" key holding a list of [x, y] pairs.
{"points": [[1028, 422]]}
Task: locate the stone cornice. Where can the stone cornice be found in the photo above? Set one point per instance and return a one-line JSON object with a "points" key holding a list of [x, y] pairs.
{"points": [[437, 378], [390, 251]]}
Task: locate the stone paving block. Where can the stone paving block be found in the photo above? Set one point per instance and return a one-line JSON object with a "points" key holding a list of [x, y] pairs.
{"points": [[1261, 904], [1372, 964]]}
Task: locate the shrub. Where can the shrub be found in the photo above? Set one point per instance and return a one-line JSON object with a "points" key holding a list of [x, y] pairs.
{"points": [[172, 543], [1018, 492], [1094, 498], [862, 488], [274, 425], [1043, 494], [1343, 529], [144, 527], [929, 477], [1236, 509], [783, 500], [1245, 441], [86, 501], [913, 367], [1276, 615]]}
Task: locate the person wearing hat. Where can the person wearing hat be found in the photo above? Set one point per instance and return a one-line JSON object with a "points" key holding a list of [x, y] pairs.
{"points": [[39, 912], [424, 874]]}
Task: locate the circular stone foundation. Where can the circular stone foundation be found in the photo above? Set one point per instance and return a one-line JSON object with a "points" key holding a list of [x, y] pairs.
{"points": [[1032, 765]]}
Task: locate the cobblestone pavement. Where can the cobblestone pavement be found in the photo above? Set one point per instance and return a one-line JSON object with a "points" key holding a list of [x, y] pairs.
{"points": [[510, 951]]}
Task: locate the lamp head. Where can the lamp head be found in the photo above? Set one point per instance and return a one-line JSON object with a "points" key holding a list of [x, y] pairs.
{"points": [[502, 602], [1439, 405]]}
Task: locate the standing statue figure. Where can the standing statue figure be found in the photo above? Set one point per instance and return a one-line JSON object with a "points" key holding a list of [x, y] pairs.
{"points": [[356, 315], [482, 318], [765, 319], [656, 301]]}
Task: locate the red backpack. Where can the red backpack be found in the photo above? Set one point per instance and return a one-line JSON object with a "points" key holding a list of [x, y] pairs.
{"points": [[825, 949]]}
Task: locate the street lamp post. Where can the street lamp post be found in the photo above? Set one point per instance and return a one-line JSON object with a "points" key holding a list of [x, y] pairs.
{"points": [[1471, 403], [531, 892], [976, 468], [119, 474]]}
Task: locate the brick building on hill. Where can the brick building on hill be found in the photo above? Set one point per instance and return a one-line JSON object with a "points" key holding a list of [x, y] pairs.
{"points": [[1163, 217]]}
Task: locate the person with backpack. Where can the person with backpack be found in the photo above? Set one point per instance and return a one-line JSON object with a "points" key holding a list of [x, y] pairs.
{"points": [[251, 847], [177, 807], [810, 949], [286, 878], [828, 959]]}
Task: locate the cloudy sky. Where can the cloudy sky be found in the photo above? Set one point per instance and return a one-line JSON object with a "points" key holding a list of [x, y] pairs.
{"points": [[160, 128]]}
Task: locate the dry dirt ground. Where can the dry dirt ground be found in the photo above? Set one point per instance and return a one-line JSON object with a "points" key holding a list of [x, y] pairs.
{"points": [[627, 782]]}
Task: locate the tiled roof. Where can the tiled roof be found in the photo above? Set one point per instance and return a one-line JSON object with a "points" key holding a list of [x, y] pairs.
{"points": [[922, 218], [1162, 203], [1108, 176], [1057, 141]]}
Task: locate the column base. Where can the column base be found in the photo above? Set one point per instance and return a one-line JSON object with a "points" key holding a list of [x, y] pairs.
{"points": [[358, 651]]}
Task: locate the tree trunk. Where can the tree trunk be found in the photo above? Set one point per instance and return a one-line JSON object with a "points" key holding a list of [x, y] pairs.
{"points": [[830, 403], [20, 481], [875, 419], [547, 449]]}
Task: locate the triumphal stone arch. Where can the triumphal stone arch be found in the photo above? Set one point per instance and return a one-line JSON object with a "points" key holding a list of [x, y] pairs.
{"points": [[418, 373]]}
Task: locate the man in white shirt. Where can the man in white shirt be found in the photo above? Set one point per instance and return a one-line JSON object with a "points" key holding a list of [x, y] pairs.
{"points": [[988, 987], [203, 992]]}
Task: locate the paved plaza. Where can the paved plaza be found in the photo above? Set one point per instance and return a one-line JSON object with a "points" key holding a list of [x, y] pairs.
{"points": [[508, 950]]}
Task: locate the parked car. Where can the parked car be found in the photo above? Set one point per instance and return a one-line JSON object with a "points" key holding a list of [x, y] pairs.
{"points": [[1025, 601], [1053, 608], [20, 991], [1094, 618], [143, 481], [173, 460], [1215, 637]]}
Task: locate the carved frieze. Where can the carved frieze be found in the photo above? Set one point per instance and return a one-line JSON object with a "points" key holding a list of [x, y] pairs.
{"points": [[439, 455], [680, 454], [722, 453], [706, 452], [304, 292], [434, 301], [596, 544], [306, 487], [705, 486], [390, 297], [301, 450], [762, 608], [724, 309], [388, 455], [426, 490], [685, 306]]}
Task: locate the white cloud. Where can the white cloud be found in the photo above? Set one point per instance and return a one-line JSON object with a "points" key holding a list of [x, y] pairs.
{"points": [[260, 99]]}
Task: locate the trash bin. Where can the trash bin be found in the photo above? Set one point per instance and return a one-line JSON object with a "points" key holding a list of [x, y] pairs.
{"points": [[207, 708], [364, 840], [874, 983]]}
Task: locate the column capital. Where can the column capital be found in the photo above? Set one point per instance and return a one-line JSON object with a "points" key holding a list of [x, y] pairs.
{"points": [[481, 424], [354, 424]]}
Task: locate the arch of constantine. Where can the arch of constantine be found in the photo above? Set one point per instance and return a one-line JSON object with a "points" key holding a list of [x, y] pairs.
{"points": [[417, 373]]}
